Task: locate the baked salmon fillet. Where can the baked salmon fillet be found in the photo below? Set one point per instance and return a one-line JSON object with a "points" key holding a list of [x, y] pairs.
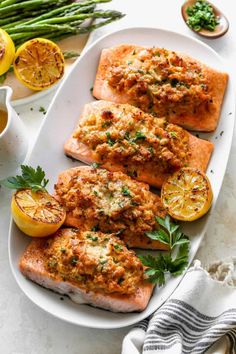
{"points": [[90, 267], [123, 138], [162, 82], [112, 202]]}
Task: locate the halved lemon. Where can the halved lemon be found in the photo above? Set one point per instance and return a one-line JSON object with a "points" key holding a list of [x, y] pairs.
{"points": [[7, 51], [187, 194], [37, 214], [39, 64]]}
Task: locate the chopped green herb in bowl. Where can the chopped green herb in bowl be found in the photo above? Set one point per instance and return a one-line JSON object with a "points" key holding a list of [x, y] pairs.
{"points": [[201, 16]]}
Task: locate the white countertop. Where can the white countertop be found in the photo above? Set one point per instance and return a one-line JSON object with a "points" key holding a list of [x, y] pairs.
{"points": [[24, 328]]}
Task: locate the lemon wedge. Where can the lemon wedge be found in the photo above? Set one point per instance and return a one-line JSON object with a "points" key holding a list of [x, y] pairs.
{"points": [[39, 64], [37, 214], [187, 194]]}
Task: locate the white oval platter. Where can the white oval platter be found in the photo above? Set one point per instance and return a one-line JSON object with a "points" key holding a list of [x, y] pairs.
{"points": [[47, 152]]}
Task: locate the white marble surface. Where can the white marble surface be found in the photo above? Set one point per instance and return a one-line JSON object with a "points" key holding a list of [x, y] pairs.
{"points": [[24, 328]]}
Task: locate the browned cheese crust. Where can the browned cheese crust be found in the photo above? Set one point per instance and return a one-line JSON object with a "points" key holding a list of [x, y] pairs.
{"points": [[184, 90], [110, 202], [123, 138]]}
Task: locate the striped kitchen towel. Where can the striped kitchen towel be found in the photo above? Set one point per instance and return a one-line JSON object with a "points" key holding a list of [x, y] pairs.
{"points": [[199, 317]]}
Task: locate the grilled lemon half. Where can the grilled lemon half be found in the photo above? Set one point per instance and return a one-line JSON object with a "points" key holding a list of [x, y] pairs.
{"points": [[37, 214], [187, 194], [7, 51], [39, 64]]}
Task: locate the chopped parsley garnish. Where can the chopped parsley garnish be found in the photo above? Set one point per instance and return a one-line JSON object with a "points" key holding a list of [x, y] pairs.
{"points": [[95, 228], [177, 258], [106, 124], [110, 141], [104, 261], [173, 134], [42, 110], [91, 237], [139, 136], [118, 247], [174, 82], [126, 136], [151, 150], [63, 250], [134, 203], [74, 261], [201, 16], [120, 280], [125, 191], [95, 165], [52, 263], [132, 173]]}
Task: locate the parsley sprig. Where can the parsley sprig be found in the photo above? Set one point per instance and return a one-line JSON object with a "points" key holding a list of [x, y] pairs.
{"points": [[30, 178], [176, 260]]}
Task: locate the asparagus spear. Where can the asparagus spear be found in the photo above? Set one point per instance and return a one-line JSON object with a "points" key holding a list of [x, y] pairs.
{"points": [[63, 10], [59, 35], [30, 4]]}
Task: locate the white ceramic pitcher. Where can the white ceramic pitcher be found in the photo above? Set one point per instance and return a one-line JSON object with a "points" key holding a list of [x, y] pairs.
{"points": [[13, 141]]}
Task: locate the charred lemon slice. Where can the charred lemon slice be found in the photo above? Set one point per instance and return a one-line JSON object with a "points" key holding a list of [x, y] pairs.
{"points": [[37, 214], [39, 64], [7, 51], [187, 194]]}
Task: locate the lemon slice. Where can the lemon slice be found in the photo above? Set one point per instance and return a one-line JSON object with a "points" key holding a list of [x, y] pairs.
{"points": [[7, 51], [187, 194], [37, 214], [39, 64]]}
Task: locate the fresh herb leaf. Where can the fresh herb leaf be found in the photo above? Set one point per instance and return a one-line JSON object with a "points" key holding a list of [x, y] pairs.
{"points": [[175, 236], [177, 265], [69, 54], [30, 178], [176, 260], [159, 235]]}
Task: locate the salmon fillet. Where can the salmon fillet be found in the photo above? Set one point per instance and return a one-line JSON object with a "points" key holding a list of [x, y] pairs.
{"points": [[148, 169], [111, 202], [159, 81], [33, 265]]}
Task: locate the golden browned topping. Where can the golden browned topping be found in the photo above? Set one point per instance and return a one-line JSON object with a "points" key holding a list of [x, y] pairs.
{"points": [[160, 81], [127, 135], [93, 260], [110, 202]]}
